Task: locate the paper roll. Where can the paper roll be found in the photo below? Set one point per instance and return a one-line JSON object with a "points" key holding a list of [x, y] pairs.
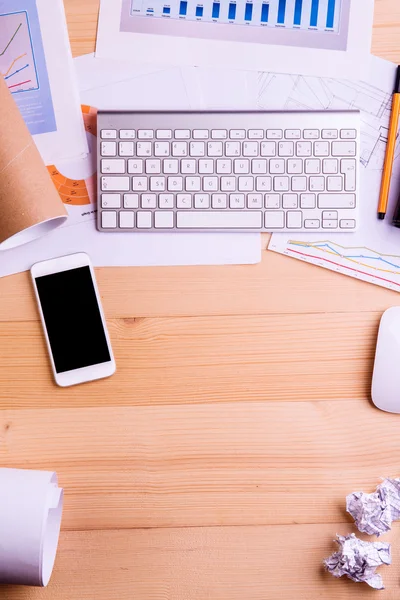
{"points": [[29, 203], [30, 518]]}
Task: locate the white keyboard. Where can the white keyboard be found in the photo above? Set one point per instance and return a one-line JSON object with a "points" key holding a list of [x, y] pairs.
{"points": [[228, 171]]}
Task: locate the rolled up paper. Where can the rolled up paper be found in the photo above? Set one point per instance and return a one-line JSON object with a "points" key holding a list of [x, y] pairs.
{"points": [[30, 518], [29, 203]]}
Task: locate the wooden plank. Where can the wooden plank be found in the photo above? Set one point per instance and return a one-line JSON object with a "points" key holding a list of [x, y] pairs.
{"points": [[277, 285], [235, 563], [203, 359], [203, 465], [82, 24]]}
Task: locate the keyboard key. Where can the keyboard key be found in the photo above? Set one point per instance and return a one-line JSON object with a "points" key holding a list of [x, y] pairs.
{"points": [[299, 184], [184, 201], [180, 149], [206, 166], [330, 134], [182, 134], [164, 220], [148, 201], [294, 219], [233, 148], [236, 201], [202, 201], [197, 149], [258, 166], [334, 184], [188, 166], [163, 134], [312, 166], [330, 166], [295, 166], [256, 134], [308, 201], [286, 149], [126, 148], [329, 224], [348, 167], [263, 184], [321, 148], [304, 149], [143, 220], [193, 184], [108, 149], [171, 166], [347, 224], [108, 134], [254, 201], [312, 223], [241, 166], [135, 166], [127, 134], [272, 201], [153, 166], [219, 134], [246, 184], [289, 201], [311, 134], [109, 219], [224, 166], [145, 134], [175, 184], [200, 134], [214, 149], [228, 184], [336, 201], [344, 149], [110, 200], [237, 134], [281, 184], [166, 201], [317, 184], [330, 215], [277, 166], [127, 219], [143, 148], [157, 184], [210, 184], [113, 166], [250, 149], [292, 134], [162, 149], [274, 219], [268, 149], [139, 184], [212, 219], [131, 200], [219, 201], [115, 184], [348, 134], [274, 134]]}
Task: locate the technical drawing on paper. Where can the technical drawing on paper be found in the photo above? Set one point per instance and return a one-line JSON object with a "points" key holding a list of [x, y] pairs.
{"points": [[17, 59], [296, 92]]}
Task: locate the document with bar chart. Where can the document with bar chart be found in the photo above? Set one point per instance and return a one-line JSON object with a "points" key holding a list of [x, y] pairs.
{"points": [[313, 37], [36, 64]]}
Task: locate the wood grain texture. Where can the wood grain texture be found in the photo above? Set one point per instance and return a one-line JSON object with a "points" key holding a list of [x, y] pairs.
{"points": [[215, 464], [203, 359], [218, 464], [235, 563]]}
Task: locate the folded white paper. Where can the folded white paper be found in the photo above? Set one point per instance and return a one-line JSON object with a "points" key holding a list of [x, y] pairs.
{"points": [[30, 519]]}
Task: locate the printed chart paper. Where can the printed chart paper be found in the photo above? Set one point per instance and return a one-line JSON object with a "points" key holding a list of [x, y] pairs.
{"points": [[373, 252], [36, 64], [315, 37]]}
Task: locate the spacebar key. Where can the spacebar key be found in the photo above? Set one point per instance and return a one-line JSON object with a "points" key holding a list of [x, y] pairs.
{"points": [[213, 219]]}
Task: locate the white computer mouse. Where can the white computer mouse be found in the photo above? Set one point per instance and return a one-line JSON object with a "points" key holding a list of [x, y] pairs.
{"points": [[386, 377]]}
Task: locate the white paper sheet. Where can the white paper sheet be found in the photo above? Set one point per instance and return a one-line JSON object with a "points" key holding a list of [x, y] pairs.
{"points": [[314, 37], [30, 518], [373, 252], [108, 84], [36, 62]]}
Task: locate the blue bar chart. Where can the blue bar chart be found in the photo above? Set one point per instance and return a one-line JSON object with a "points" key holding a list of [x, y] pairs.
{"points": [[311, 15]]}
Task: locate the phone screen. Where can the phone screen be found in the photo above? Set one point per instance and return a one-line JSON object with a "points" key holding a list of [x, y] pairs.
{"points": [[73, 320]]}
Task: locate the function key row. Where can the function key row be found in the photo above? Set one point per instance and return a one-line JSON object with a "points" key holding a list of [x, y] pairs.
{"points": [[233, 134]]}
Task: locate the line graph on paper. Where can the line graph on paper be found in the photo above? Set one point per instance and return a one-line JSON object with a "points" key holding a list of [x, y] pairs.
{"points": [[360, 262], [17, 58]]}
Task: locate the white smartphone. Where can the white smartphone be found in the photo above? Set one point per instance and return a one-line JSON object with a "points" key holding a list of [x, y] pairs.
{"points": [[73, 319]]}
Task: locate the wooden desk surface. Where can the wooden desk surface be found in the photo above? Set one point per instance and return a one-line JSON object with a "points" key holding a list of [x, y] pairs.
{"points": [[215, 464]]}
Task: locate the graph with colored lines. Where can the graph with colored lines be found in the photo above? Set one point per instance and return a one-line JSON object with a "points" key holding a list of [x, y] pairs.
{"points": [[17, 59], [311, 15]]}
